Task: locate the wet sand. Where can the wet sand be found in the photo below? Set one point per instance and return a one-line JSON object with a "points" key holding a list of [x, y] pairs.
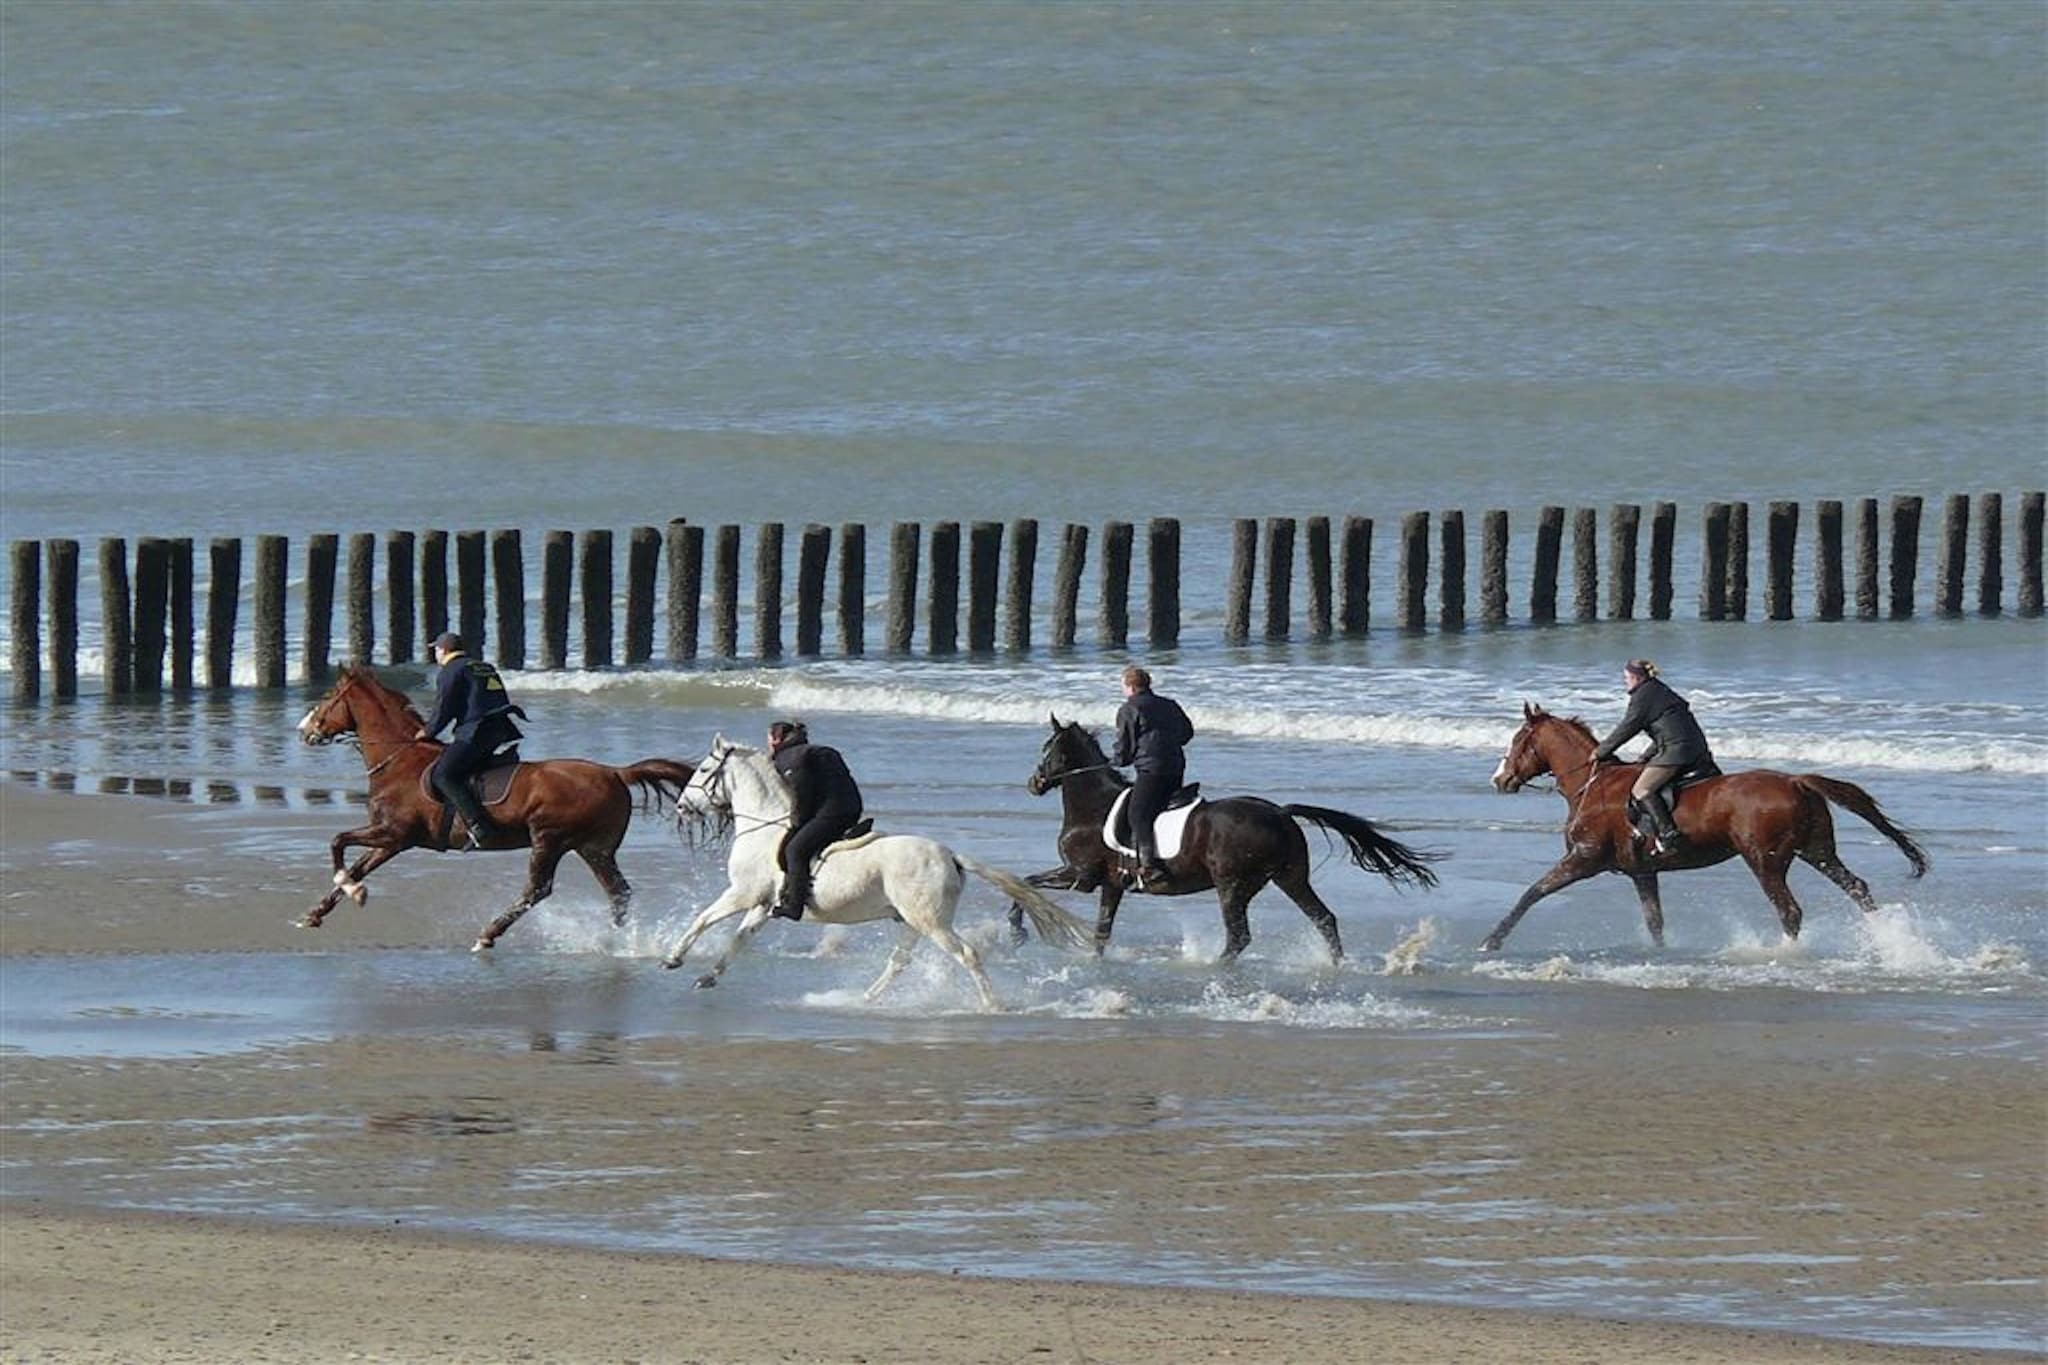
{"points": [[1673, 1141]]}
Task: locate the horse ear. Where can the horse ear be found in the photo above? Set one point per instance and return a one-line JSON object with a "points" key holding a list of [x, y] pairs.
{"points": [[1054, 717], [1528, 711]]}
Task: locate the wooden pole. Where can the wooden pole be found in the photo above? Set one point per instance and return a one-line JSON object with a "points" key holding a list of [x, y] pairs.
{"points": [[905, 539], [1714, 562], [768, 591], [1354, 612], [594, 579], [1624, 531], [433, 586], [1450, 596], [685, 588], [1735, 604], [1955, 543], [557, 586], [1279, 576], [62, 562], [853, 589], [1663, 547], [813, 557], [1990, 553], [1827, 560], [643, 564], [1019, 584], [1543, 586], [1905, 553], [25, 620], [323, 552], [271, 554], [470, 547], [181, 614], [508, 596], [942, 633], [1585, 564], [1493, 567], [1066, 580], [152, 598], [223, 605], [1115, 615], [1866, 559], [1319, 599], [1162, 618], [725, 592], [2030, 552], [1782, 547], [1244, 572], [399, 561], [1414, 578], [984, 564], [116, 625], [361, 596]]}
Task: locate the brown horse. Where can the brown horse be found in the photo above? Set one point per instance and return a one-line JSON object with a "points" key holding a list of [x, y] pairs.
{"points": [[1767, 818], [555, 807]]}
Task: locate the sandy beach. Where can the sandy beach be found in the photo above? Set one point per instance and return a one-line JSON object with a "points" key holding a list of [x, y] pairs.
{"points": [[1684, 1137]]}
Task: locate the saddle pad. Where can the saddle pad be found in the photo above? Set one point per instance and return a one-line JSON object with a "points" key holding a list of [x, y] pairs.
{"points": [[490, 785], [1167, 830]]}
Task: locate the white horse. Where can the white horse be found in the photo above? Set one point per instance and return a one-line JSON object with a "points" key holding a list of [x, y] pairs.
{"points": [[902, 876]]}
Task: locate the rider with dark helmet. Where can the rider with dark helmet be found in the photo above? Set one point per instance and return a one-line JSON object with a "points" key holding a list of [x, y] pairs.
{"points": [[827, 808], [1677, 743], [1151, 732], [470, 696]]}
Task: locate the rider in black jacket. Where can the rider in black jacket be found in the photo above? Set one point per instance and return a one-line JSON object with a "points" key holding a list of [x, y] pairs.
{"points": [[1151, 732], [828, 806], [472, 697], [1677, 742]]}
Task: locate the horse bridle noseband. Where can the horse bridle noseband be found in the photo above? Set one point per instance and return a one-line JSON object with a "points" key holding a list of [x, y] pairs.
{"points": [[721, 799]]}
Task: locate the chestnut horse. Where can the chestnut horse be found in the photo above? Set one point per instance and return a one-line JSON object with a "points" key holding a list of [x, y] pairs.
{"points": [[554, 807], [1234, 845], [1766, 818]]}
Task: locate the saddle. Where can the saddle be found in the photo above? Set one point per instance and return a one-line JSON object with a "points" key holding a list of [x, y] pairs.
{"points": [[1166, 830], [490, 782], [863, 832], [1639, 814]]}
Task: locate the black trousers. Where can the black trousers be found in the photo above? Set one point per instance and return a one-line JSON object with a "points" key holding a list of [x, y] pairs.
{"points": [[465, 755], [1150, 791], [801, 849]]}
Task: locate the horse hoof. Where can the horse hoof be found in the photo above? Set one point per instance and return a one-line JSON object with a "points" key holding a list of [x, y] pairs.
{"points": [[706, 982], [671, 963], [309, 922], [1491, 945], [482, 945]]}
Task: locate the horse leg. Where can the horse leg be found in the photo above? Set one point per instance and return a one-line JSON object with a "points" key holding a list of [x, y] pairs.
{"points": [[1061, 878], [899, 958], [1105, 913], [1236, 898], [348, 883], [1822, 857], [604, 865], [1770, 871], [725, 907], [756, 917], [1653, 908], [540, 884], [1295, 884], [963, 952], [1559, 877]]}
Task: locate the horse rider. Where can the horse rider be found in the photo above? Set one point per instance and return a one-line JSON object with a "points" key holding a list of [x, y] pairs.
{"points": [[1677, 744], [827, 808], [1151, 732], [471, 696]]}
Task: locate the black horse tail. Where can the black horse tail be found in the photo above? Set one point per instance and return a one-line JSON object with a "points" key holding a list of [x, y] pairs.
{"points": [[1372, 850], [662, 778], [1854, 799]]}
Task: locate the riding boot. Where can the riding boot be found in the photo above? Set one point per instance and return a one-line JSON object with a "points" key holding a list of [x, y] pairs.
{"points": [[1150, 868], [1639, 823], [790, 904], [1668, 836], [481, 829]]}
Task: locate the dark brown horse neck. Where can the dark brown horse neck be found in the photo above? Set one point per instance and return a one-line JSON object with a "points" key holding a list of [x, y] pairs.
{"points": [[1089, 787]]}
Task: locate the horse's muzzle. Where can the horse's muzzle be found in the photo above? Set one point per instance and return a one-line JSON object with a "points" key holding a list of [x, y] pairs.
{"points": [[1037, 785]]}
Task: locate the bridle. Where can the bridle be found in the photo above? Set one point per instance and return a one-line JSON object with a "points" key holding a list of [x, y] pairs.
{"points": [[353, 735], [717, 790], [1050, 781]]}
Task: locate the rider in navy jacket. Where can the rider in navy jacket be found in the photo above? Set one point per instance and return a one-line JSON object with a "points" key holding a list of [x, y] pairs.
{"points": [[1151, 732], [827, 807], [471, 697]]}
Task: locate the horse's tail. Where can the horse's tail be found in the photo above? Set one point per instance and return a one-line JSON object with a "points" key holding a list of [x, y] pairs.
{"points": [[1053, 924], [1372, 850], [659, 779], [1853, 798]]}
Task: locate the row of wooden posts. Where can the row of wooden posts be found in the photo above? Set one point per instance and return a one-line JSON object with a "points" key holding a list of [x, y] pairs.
{"points": [[152, 623]]}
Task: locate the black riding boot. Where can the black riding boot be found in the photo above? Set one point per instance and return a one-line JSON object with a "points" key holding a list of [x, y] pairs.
{"points": [[480, 826], [796, 892], [1660, 811]]}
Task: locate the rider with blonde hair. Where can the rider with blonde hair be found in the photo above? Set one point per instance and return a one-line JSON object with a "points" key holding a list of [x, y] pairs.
{"points": [[1677, 744]]}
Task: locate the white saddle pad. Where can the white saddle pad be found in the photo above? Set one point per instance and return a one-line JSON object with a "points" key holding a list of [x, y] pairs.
{"points": [[1166, 830]]}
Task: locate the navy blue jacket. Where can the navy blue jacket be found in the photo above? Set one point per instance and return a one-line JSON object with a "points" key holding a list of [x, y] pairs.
{"points": [[1151, 731], [470, 693]]}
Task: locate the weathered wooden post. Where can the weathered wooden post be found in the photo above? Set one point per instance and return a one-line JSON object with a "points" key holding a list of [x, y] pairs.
{"points": [[813, 557], [905, 540], [594, 581], [942, 633], [1244, 569], [181, 614], [1735, 602], [1905, 553], [1990, 553], [853, 589], [1279, 577], [1585, 564], [685, 588], [1493, 567], [116, 625], [1866, 559], [1543, 586], [508, 596], [725, 592], [323, 554], [62, 562], [1162, 560], [1450, 595], [1354, 611], [1782, 531], [1114, 626], [1827, 559], [359, 595], [1019, 584], [984, 564], [1955, 541], [152, 596], [768, 591], [223, 605], [469, 588], [399, 561], [2030, 552], [557, 585], [1624, 530], [1319, 578], [271, 554], [1066, 584], [1414, 577], [433, 586], [643, 563], [25, 619], [1663, 547], [1714, 562]]}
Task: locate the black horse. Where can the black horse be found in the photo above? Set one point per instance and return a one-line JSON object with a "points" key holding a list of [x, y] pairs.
{"points": [[1236, 845]]}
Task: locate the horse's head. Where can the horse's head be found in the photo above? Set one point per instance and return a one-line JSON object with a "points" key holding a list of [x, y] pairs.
{"points": [[1069, 749], [1559, 745], [334, 715]]}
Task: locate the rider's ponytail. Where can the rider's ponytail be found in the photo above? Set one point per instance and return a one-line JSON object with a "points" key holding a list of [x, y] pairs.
{"points": [[1642, 668]]}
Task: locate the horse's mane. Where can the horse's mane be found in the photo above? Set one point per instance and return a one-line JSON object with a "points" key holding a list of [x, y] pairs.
{"points": [[1572, 722], [391, 702]]}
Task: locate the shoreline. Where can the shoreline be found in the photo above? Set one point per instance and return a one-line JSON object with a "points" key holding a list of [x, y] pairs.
{"points": [[95, 1287]]}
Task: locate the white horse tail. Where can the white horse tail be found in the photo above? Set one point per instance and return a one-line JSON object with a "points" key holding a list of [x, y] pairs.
{"points": [[1054, 925]]}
